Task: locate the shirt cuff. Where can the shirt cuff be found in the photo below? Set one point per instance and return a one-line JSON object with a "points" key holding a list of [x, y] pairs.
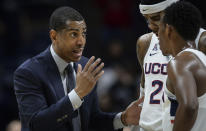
{"points": [[75, 99], [117, 121]]}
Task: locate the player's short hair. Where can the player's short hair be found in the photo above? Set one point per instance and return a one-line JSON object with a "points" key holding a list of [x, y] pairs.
{"points": [[185, 18], [61, 15], [151, 2]]}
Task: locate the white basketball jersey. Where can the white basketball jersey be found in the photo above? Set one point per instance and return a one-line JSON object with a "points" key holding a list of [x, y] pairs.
{"points": [[171, 107], [198, 36], [155, 69]]}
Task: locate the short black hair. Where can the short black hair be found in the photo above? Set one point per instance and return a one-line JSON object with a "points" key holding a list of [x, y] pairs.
{"points": [[185, 18], [61, 15], [151, 2]]}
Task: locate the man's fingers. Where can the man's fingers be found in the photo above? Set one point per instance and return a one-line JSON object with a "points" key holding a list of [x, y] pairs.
{"points": [[79, 69], [91, 60], [139, 101], [99, 75], [94, 65], [98, 69]]}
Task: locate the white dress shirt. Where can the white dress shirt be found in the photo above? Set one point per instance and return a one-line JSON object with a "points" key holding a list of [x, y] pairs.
{"points": [[74, 98]]}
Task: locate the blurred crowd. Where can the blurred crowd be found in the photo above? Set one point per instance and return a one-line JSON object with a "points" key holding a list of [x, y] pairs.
{"points": [[113, 28]]}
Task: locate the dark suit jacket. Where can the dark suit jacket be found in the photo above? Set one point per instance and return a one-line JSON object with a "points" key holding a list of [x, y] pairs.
{"points": [[42, 103]]}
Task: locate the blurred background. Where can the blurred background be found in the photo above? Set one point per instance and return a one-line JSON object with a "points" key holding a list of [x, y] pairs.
{"points": [[113, 29]]}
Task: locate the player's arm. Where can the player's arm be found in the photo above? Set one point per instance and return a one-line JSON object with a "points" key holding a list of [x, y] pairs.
{"points": [[141, 50], [183, 85], [202, 43]]}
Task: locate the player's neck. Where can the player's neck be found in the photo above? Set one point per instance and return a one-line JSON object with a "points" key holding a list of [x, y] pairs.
{"points": [[179, 45]]}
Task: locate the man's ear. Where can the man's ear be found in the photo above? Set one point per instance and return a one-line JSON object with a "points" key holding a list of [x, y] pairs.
{"points": [[169, 30], [53, 35]]}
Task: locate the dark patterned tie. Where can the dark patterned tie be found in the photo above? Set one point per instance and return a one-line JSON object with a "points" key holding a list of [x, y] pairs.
{"points": [[70, 84], [70, 80]]}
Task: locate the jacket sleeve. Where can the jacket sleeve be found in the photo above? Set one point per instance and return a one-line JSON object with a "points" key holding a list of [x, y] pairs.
{"points": [[101, 121], [34, 111]]}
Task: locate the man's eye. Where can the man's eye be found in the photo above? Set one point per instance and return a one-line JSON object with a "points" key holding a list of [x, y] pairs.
{"points": [[157, 18], [84, 34], [73, 34]]}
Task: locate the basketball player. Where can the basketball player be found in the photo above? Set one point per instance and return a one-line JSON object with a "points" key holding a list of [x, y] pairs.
{"points": [[154, 64], [186, 82]]}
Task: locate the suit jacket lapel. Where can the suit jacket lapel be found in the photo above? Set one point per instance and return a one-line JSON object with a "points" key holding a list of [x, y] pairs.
{"points": [[53, 74]]}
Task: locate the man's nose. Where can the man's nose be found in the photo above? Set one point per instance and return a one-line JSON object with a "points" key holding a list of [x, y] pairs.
{"points": [[81, 40]]}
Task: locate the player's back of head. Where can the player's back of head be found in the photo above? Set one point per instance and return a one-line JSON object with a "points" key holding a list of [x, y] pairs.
{"points": [[185, 18]]}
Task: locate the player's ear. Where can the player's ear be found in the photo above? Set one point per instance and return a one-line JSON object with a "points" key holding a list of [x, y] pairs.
{"points": [[168, 31]]}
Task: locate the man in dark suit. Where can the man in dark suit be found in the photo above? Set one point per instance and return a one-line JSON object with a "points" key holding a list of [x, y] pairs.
{"points": [[52, 96]]}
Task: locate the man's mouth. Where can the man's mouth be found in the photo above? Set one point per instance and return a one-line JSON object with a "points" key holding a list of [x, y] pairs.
{"points": [[78, 52]]}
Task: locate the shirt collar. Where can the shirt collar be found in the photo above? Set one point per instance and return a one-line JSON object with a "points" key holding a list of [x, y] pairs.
{"points": [[61, 64]]}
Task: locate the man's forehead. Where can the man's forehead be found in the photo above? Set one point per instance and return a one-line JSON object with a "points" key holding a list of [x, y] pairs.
{"points": [[76, 24], [153, 14]]}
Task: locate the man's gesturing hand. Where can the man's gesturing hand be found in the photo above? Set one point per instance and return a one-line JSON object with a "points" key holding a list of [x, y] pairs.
{"points": [[87, 78], [131, 115]]}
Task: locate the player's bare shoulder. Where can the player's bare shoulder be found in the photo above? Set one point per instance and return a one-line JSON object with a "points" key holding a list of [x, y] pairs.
{"points": [[185, 59], [181, 63], [202, 42], [142, 46]]}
